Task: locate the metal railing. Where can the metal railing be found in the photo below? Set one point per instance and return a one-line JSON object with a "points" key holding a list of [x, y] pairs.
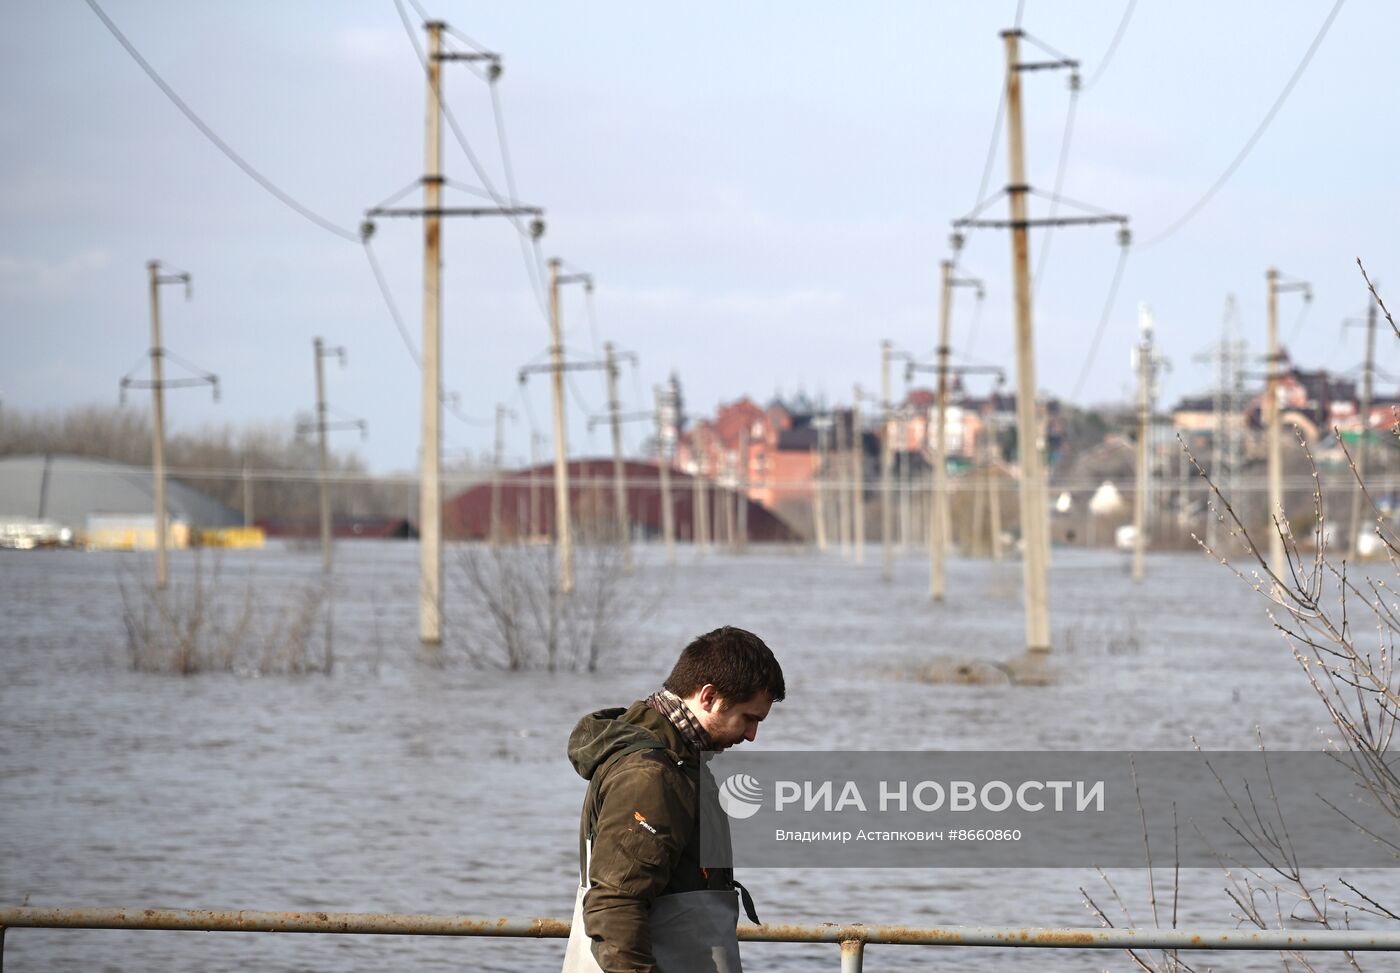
{"points": [[851, 938]]}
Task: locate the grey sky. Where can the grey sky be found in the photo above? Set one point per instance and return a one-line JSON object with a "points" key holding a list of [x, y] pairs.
{"points": [[763, 191]]}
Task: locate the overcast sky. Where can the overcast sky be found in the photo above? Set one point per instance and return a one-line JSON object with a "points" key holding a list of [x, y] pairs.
{"points": [[763, 191]]}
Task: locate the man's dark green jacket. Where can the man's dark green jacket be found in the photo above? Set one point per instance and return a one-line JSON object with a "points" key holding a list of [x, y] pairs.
{"points": [[642, 811]]}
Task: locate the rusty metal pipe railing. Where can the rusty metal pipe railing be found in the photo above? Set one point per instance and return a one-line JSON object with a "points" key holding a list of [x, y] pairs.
{"points": [[852, 938]]}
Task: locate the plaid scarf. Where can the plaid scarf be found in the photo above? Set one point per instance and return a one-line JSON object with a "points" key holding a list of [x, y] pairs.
{"points": [[671, 706]]}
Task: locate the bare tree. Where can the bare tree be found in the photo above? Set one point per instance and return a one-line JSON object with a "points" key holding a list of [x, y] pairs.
{"points": [[1342, 625], [509, 612], [202, 624]]}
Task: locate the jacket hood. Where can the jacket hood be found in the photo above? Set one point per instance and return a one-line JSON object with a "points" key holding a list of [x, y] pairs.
{"points": [[606, 732]]}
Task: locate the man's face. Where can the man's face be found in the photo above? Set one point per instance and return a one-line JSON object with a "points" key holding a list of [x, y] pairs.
{"points": [[727, 722]]}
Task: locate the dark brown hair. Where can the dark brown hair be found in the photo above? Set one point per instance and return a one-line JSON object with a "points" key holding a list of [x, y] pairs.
{"points": [[735, 661]]}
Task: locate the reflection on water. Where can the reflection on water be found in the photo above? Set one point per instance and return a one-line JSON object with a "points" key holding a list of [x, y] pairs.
{"points": [[393, 786]]}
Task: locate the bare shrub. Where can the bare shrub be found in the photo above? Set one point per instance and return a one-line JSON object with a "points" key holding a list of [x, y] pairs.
{"points": [[510, 613], [199, 625], [1342, 629]]}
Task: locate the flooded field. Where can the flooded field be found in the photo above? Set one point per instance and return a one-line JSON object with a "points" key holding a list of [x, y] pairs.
{"points": [[391, 785]]}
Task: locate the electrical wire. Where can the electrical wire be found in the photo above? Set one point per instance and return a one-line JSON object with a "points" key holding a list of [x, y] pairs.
{"points": [[991, 156], [450, 404], [270, 187], [1102, 326], [391, 305], [1066, 201], [189, 365], [1047, 49], [285, 198], [1298, 323], [637, 384], [972, 329], [460, 135], [1258, 133], [592, 316], [1112, 45], [528, 409], [469, 189], [578, 396], [399, 195], [213, 137], [145, 357], [534, 267], [1059, 183], [977, 210]]}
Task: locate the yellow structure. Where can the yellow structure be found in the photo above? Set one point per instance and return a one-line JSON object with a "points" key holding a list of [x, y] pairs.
{"points": [[241, 538], [108, 533]]}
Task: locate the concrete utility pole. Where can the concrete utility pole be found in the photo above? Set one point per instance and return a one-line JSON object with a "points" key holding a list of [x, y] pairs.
{"points": [[1226, 421], [938, 511], [432, 212], [1274, 425], [993, 488], [1147, 379], [901, 437], [615, 418], [536, 440], [247, 497], [1367, 374], [886, 466], [619, 483], [1034, 520], [321, 425], [663, 470], [497, 462], [320, 351], [741, 499], [430, 458], [843, 489], [700, 516], [1034, 512], [727, 503], [563, 528], [819, 512], [158, 419], [857, 478], [1219, 433], [158, 385]]}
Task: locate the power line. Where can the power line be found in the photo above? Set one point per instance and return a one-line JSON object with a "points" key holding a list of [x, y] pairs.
{"points": [[209, 133], [981, 200], [972, 329], [1060, 56], [448, 398], [268, 185], [534, 267], [578, 396], [1258, 132], [460, 136], [1059, 180], [592, 318], [1113, 44], [1102, 326], [391, 305], [1298, 324]]}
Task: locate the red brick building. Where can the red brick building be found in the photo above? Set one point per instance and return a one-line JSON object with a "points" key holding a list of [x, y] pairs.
{"points": [[526, 499]]}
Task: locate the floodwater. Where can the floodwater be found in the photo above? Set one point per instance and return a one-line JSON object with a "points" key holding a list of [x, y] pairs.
{"points": [[392, 785]]}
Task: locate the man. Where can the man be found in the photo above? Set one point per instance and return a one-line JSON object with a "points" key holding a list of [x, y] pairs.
{"points": [[645, 903]]}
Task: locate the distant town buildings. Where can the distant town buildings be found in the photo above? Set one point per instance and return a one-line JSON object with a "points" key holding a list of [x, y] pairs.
{"points": [[1315, 401]]}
